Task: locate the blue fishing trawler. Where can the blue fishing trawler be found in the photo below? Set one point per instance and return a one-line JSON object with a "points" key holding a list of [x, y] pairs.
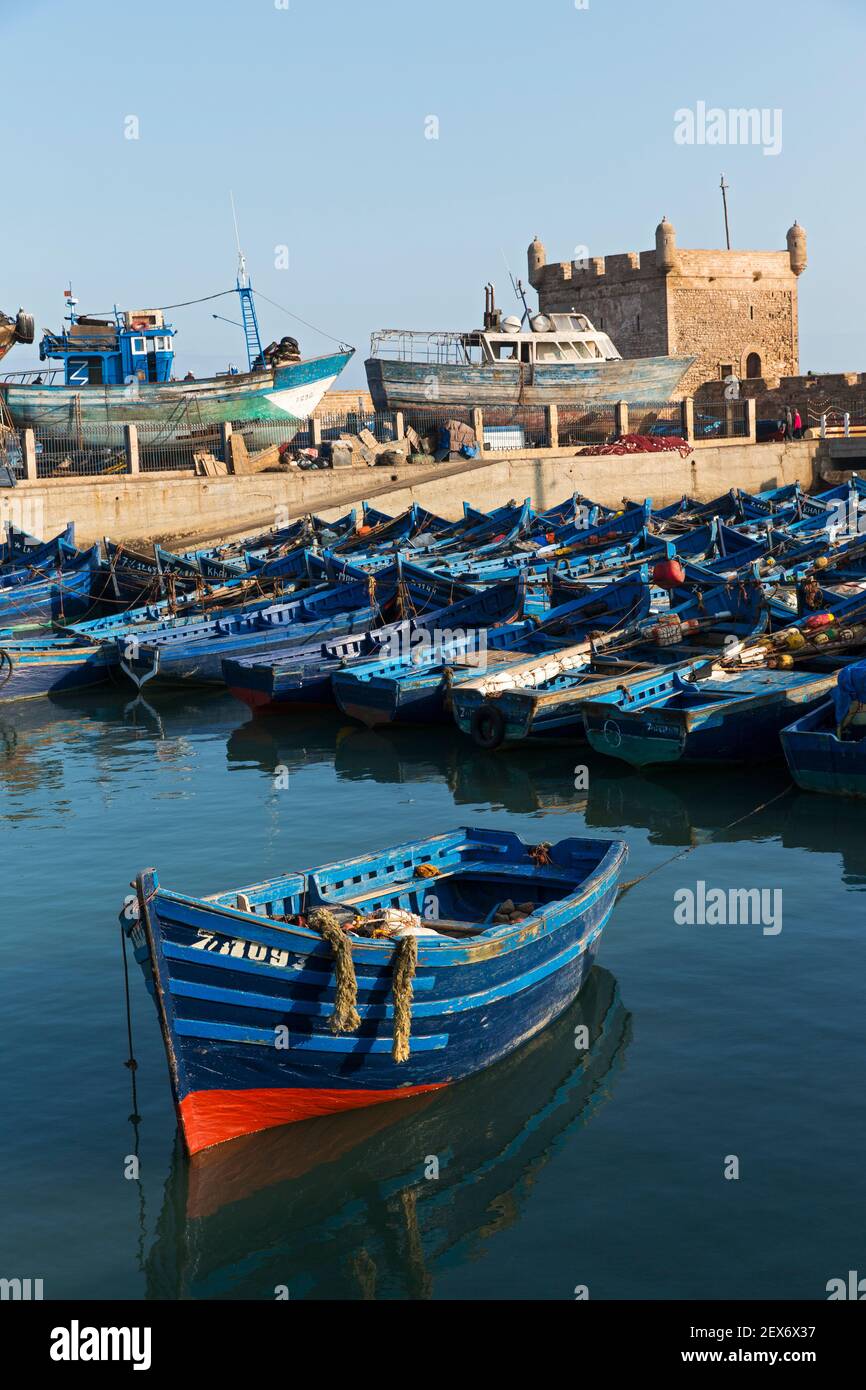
{"points": [[370, 979], [117, 369]]}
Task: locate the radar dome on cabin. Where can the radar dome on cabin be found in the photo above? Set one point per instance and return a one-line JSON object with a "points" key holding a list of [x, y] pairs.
{"points": [[133, 345]]}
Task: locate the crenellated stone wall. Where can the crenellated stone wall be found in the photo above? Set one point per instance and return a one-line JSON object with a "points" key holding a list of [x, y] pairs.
{"points": [[735, 311]]}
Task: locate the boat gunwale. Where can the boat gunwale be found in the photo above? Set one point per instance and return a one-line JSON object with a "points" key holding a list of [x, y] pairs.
{"points": [[503, 938]]}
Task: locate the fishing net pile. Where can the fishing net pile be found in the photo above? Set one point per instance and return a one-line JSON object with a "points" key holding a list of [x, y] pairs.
{"points": [[639, 444]]}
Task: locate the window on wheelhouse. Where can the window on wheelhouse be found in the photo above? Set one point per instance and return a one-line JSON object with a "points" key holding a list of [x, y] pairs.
{"points": [[553, 352]]}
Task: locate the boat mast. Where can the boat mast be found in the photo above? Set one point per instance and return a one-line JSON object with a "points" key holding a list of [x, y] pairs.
{"points": [[255, 357]]}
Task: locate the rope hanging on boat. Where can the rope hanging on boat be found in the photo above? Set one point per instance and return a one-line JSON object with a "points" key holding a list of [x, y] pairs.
{"points": [[7, 667], [283, 310], [405, 960], [345, 1018], [447, 699]]}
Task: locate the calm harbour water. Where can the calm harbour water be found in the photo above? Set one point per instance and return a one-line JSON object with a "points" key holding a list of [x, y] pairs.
{"points": [[557, 1168]]}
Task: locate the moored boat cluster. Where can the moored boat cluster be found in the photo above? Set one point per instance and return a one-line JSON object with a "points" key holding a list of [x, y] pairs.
{"points": [[698, 632], [694, 632]]}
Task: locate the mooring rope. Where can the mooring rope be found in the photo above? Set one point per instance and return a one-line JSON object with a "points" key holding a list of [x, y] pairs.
{"points": [[345, 1018], [405, 961], [680, 854]]}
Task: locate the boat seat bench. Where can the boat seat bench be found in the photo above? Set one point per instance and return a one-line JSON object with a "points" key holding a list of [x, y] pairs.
{"points": [[378, 893]]}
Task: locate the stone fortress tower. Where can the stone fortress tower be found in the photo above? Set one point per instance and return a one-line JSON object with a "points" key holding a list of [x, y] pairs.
{"points": [[735, 311]]}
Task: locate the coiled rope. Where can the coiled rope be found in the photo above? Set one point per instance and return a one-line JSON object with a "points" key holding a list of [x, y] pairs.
{"points": [[405, 961], [345, 1018]]}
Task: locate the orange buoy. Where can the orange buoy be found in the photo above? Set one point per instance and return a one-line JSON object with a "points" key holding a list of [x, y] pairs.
{"points": [[668, 574]]}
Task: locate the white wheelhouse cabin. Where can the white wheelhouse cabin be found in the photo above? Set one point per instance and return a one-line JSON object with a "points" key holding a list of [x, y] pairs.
{"points": [[566, 339]]}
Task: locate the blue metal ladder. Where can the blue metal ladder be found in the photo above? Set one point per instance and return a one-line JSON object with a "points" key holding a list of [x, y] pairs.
{"points": [[255, 357]]}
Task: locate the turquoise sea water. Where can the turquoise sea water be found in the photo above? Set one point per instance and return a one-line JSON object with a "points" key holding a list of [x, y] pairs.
{"points": [[558, 1168]]}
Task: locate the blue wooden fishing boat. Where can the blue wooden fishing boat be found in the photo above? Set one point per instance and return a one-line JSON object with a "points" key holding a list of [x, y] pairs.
{"points": [[826, 749], [702, 713], [307, 530], [239, 1216], [242, 593], [414, 685], [574, 541], [33, 668], [20, 549], [293, 678], [477, 528], [277, 1002], [53, 593], [192, 652], [420, 687]]}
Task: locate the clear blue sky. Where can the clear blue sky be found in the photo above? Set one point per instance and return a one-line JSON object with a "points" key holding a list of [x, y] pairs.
{"points": [[552, 120]]}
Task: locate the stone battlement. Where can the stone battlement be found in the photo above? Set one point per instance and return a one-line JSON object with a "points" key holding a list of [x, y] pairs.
{"points": [[734, 311], [628, 266]]}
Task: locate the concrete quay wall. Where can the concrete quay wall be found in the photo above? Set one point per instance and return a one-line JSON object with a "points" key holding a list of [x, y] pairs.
{"points": [[146, 507]]}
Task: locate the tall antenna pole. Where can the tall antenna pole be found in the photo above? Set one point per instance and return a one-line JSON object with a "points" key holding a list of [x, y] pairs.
{"points": [[243, 278], [724, 187]]}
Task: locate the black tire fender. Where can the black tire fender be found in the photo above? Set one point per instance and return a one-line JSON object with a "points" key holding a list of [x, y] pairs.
{"points": [[488, 726], [25, 327]]}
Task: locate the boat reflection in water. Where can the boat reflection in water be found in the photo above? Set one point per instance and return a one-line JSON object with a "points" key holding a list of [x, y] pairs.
{"points": [[347, 1206], [396, 755]]}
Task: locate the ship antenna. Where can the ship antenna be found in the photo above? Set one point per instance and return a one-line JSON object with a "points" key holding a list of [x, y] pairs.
{"points": [[255, 356], [519, 291], [243, 279]]}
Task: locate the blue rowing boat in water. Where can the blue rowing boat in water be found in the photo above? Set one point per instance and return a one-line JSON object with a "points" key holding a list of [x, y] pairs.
{"points": [[420, 686], [369, 979], [51, 594], [48, 666], [826, 749], [295, 678], [193, 652], [702, 713]]}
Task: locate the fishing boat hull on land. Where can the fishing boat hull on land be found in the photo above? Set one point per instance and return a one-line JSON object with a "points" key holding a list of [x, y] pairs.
{"points": [[286, 394], [401, 385]]}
